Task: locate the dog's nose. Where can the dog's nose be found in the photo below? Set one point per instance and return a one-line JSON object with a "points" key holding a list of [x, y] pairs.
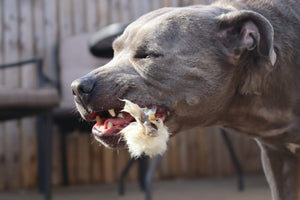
{"points": [[83, 86]]}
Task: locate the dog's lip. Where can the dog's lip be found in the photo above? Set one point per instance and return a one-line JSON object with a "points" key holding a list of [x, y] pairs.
{"points": [[110, 135], [111, 138]]}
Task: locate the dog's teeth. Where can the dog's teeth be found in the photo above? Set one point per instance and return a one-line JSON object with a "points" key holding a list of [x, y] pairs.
{"points": [[109, 125], [120, 115], [98, 119], [112, 112]]}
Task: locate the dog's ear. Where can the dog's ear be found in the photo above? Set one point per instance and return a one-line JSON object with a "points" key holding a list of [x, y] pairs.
{"points": [[249, 31]]}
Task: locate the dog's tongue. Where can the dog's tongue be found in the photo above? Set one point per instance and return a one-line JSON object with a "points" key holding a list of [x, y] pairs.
{"points": [[118, 121], [115, 122]]}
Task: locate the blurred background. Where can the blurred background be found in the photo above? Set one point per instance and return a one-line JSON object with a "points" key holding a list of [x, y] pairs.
{"points": [[36, 28]]}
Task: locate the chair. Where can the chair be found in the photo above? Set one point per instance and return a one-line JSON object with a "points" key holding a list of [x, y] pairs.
{"points": [[74, 60], [20, 102]]}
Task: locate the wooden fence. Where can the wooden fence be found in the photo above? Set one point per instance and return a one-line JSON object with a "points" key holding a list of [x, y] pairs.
{"points": [[34, 28]]}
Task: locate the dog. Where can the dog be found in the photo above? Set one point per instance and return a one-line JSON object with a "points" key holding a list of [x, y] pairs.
{"points": [[231, 63]]}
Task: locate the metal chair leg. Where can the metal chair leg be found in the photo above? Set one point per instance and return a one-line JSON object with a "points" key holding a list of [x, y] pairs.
{"points": [[149, 176], [48, 154], [234, 160], [142, 171], [123, 174], [45, 138]]}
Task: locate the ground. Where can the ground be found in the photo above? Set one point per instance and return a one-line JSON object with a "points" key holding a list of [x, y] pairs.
{"points": [[198, 189]]}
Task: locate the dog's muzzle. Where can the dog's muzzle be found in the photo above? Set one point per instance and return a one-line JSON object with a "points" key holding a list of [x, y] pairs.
{"points": [[109, 122]]}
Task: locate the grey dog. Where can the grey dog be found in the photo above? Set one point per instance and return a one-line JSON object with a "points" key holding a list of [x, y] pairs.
{"points": [[232, 63]]}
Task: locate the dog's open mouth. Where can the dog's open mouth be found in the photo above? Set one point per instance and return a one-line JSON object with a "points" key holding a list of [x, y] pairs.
{"points": [[110, 123]]}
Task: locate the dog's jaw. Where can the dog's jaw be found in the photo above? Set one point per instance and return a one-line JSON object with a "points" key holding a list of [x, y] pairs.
{"points": [[110, 123]]}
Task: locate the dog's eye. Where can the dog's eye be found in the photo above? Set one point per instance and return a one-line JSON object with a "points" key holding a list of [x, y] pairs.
{"points": [[147, 56]]}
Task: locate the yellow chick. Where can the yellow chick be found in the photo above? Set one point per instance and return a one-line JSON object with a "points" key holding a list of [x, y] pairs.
{"points": [[148, 134]]}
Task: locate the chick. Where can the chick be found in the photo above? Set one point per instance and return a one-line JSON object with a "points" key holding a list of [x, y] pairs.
{"points": [[147, 134]]}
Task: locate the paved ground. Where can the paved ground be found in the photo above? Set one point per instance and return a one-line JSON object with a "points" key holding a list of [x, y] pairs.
{"points": [[200, 189]]}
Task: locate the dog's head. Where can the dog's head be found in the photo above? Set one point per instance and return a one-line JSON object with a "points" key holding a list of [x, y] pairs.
{"points": [[187, 62]]}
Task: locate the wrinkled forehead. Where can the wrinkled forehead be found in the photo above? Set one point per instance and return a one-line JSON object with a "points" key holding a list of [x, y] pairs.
{"points": [[167, 24]]}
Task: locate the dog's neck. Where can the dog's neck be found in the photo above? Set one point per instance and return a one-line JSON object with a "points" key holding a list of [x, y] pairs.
{"points": [[252, 116], [269, 108], [270, 113]]}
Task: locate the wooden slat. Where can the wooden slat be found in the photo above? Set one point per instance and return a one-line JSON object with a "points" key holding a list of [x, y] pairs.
{"points": [[182, 151], [11, 51], [203, 2], [186, 2], [125, 11], [28, 153], [130, 10], [12, 79], [122, 158], [216, 146], [39, 36], [1, 39], [78, 16], [166, 3], [171, 3], [174, 162], [2, 133], [115, 9], [12, 154], [72, 157], [108, 162], [156, 4], [28, 76], [211, 152], [56, 158], [194, 2], [174, 3], [28, 80], [191, 153], [136, 8], [51, 33], [145, 7], [2, 158], [103, 13], [164, 168], [202, 149], [65, 19], [91, 15], [38, 50], [84, 160], [96, 162]]}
